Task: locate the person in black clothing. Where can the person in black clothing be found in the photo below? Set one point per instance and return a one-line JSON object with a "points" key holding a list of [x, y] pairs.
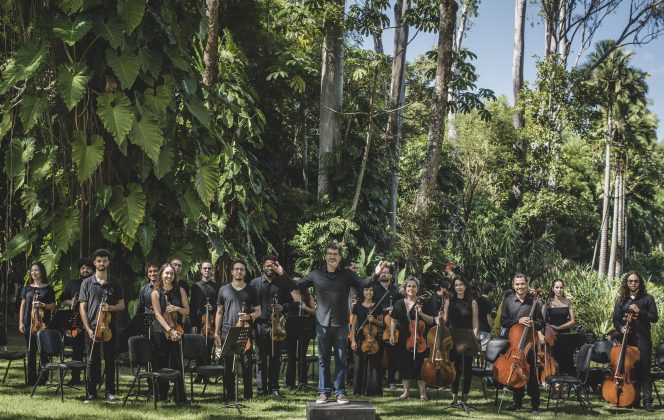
{"points": [[384, 287], [368, 367], [403, 313], [559, 315], [635, 298], [93, 290], [69, 299], [270, 285], [460, 312], [204, 302], [145, 294], [182, 280], [516, 309], [168, 301], [297, 337], [484, 317], [230, 302], [36, 295]]}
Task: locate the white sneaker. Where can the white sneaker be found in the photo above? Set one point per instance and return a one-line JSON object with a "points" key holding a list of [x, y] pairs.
{"points": [[110, 398]]}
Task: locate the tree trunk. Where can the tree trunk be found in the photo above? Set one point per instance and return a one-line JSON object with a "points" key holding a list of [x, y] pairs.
{"points": [[461, 29], [604, 237], [305, 149], [397, 90], [614, 229], [563, 41], [377, 33], [211, 52], [331, 93], [620, 245], [517, 60], [436, 136]]}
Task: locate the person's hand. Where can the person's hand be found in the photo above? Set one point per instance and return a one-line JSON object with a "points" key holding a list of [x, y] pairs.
{"points": [[194, 330], [217, 340], [303, 306], [380, 267], [21, 327], [353, 345], [105, 307], [208, 306], [277, 308], [172, 308], [38, 304], [624, 329], [634, 308], [91, 333], [278, 268], [392, 339], [244, 317], [525, 321], [174, 334], [370, 318]]}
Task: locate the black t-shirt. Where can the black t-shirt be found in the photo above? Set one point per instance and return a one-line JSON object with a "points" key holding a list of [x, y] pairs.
{"points": [[362, 312], [403, 318], [71, 291], [45, 295], [266, 290], [93, 293], [199, 292], [483, 309], [460, 314], [232, 301], [145, 299]]}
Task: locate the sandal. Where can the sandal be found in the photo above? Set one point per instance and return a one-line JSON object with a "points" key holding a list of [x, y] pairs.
{"points": [[424, 398], [404, 396]]}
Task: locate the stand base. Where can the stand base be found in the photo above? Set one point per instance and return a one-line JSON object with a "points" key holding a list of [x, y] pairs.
{"points": [[302, 386], [355, 410], [461, 405]]}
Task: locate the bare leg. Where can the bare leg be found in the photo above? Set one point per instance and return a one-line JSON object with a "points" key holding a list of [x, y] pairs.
{"points": [[423, 389], [406, 388]]}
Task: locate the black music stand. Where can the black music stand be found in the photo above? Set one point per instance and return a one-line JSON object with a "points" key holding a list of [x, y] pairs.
{"points": [[299, 325], [140, 325], [235, 344], [464, 342]]}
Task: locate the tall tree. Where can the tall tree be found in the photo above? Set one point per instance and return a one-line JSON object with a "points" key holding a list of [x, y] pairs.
{"points": [[331, 91], [211, 52], [436, 135], [517, 58]]}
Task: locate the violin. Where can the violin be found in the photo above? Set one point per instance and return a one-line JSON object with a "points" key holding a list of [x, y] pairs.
{"points": [[174, 325], [618, 389], [512, 368], [353, 302], [545, 360], [244, 324], [207, 322], [438, 369], [370, 331], [278, 322], [103, 330], [36, 315], [387, 319], [415, 341]]}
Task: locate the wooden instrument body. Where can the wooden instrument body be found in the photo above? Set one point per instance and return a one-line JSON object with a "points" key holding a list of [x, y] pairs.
{"points": [[618, 389], [173, 324], [245, 324], [415, 339], [207, 322], [73, 332], [278, 321], [36, 316], [438, 370], [103, 331], [369, 344], [545, 358], [512, 368], [387, 320]]}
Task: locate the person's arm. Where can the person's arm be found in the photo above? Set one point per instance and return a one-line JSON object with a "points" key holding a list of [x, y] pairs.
{"points": [[140, 308], [538, 318], [353, 327], [617, 317], [83, 311], [393, 326], [649, 310], [310, 307], [476, 320], [489, 317], [49, 300], [305, 282], [118, 307], [256, 313], [506, 320], [428, 319], [195, 307], [446, 308], [21, 315], [67, 297], [379, 320], [184, 309], [571, 322], [217, 321]]}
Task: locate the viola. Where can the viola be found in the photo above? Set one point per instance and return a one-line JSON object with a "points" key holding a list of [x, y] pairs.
{"points": [[244, 324], [353, 302], [415, 341], [370, 331], [36, 315], [103, 330], [512, 368], [387, 319], [545, 360], [74, 331], [278, 321], [438, 369], [173, 324], [618, 389], [207, 322]]}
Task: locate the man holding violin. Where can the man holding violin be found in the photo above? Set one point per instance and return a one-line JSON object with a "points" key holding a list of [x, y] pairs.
{"points": [[100, 293], [634, 298], [204, 304], [515, 310]]}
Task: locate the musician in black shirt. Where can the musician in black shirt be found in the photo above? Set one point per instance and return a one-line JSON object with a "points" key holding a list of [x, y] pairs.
{"points": [[384, 287], [635, 298], [145, 294], [204, 302]]}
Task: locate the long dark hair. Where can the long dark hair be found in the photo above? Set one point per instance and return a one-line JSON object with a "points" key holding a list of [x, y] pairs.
{"points": [[42, 271], [159, 284], [467, 295], [552, 294], [624, 289]]}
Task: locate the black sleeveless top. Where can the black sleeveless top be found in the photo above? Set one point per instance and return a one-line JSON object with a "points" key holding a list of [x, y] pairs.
{"points": [[558, 316], [460, 314], [174, 298]]}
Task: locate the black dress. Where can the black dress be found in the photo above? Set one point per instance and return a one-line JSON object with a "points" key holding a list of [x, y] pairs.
{"points": [[460, 316], [368, 372], [408, 368], [565, 358]]}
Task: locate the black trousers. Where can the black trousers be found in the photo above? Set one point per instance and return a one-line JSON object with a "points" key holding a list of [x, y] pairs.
{"points": [[31, 339], [94, 365], [462, 366], [392, 354], [206, 360], [167, 355], [296, 350], [78, 350], [532, 386], [244, 363], [268, 366], [642, 372]]}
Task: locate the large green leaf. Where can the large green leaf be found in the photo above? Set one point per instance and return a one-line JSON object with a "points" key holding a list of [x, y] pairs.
{"points": [[71, 32], [146, 234], [24, 63], [131, 11], [164, 163], [115, 114], [31, 109], [71, 6], [103, 197], [71, 84], [21, 151], [191, 205], [87, 158], [19, 243], [110, 30], [5, 124], [42, 165], [125, 66], [196, 106], [66, 225], [206, 180], [146, 134], [128, 210], [158, 100], [50, 256]]}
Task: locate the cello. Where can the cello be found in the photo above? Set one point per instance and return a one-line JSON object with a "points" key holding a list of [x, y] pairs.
{"points": [[415, 341], [438, 370], [618, 389], [512, 368], [545, 359]]}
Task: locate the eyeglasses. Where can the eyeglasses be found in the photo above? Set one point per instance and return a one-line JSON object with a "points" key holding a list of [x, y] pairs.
{"points": [[332, 254], [206, 268], [633, 281]]}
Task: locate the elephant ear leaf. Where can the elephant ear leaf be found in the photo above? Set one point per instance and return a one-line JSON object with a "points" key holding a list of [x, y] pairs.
{"points": [[128, 210], [146, 234], [131, 12], [206, 180], [71, 32], [87, 158], [115, 114], [125, 66], [66, 225], [146, 134], [23, 64], [110, 30], [71, 84], [19, 243]]}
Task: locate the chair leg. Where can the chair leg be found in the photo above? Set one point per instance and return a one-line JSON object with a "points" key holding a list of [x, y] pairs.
{"points": [[155, 391], [548, 399], [7, 371], [131, 388], [41, 372], [191, 384], [62, 386]]}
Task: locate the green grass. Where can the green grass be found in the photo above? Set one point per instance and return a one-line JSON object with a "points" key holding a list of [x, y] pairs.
{"points": [[15, 403]]}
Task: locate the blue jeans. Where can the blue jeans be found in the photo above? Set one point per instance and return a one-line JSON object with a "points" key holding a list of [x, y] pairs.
{"points": [[329, 338]]}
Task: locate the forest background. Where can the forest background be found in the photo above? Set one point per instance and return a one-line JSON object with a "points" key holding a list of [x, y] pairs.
{"points": [[235, 128]]}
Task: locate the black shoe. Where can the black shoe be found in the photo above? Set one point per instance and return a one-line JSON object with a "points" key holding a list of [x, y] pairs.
{"points": [[90, 398], [535, 410], [276, 394], [649, 407], [515, 407]]}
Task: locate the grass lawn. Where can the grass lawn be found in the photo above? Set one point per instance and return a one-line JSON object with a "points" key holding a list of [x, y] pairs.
{"points": [[15, 403]]}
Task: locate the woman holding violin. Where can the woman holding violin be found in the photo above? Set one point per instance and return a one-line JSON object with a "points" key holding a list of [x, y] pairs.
{"points": [[170, 305], [37, 302], [366, 345], [635, 299], [559, 317], [460, 312], [411, 321]]}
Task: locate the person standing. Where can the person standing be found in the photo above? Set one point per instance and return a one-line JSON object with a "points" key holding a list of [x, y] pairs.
{"points": [[37, 295], [385, 287], [559, 315], [484, 317], [69, 299], [331, 286], [298, 336], [180, 279], [145, 294], [234, 302], [204, 302], [515, 310], [368, 368], [635, 298], [93, 291]]}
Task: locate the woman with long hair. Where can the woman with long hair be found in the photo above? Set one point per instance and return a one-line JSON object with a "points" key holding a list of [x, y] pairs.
{"points": [[169, 300], [368, 371], [559, 315], [36, 296]]}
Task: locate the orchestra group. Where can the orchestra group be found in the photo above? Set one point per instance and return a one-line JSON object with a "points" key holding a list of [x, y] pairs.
{"points": [[373, 328]]}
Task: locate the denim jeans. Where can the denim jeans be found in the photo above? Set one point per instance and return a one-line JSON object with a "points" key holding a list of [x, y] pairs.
{"points": [[330, 338]]}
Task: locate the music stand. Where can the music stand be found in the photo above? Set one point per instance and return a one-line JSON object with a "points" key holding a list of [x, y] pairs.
{"points": [[298, 324], [140, 325], [234, 344], [464, 342]]}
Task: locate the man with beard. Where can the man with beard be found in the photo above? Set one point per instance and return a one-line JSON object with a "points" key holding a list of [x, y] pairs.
{"points": [[145, 294], [204, 302], [383, 288], [69, 299], [93, 291], [272, 283], [332, 286]]}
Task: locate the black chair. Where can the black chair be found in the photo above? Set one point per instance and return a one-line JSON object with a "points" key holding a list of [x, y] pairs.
{"points": [[494, 348], [140, 356], [10, 356], [573, 383], [601, 353], [193, 348], [49, 342], [658, 370]]}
